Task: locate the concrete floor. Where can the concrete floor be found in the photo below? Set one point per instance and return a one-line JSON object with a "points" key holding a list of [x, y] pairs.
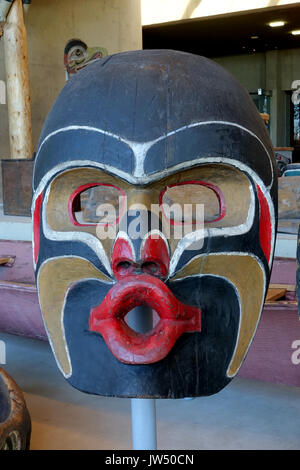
{"points": [[246, 415]]}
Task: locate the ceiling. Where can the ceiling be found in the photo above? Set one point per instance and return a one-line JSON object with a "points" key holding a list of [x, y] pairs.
{"points": [[227, 34]]}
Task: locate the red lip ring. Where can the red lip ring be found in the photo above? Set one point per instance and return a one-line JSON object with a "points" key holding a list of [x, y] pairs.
{"points": [[125, 344]]}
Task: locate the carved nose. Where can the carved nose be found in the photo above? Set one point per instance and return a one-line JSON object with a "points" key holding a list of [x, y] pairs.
{"points": [[153, 258]]}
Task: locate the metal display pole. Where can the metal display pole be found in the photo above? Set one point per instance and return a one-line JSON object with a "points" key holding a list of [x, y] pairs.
{"points": [[143, 410], [143, 423]]}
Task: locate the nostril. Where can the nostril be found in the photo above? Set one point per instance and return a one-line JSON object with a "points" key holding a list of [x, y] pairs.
{"points": [[123, 266], [150, 267], [154, 256]]}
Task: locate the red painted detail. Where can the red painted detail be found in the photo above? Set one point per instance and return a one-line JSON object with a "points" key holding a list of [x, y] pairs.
{"points": [[125, 344], [37, 225], [123, 261], [265, 226], [82, 188], [213, 187], [155, 256], [66, 62]]}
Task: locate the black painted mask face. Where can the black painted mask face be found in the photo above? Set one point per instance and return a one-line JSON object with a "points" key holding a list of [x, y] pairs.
{"points": [[153, 128]]}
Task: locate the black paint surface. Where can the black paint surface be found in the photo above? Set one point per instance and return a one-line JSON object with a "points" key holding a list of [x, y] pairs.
{"points": [[196, 366]]}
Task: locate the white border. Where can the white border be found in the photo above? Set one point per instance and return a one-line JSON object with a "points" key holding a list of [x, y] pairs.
{"points": [[140, 149]]}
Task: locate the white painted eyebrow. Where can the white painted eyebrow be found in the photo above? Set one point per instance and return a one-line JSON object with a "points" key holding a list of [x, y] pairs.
{"points": [[140, 149]]}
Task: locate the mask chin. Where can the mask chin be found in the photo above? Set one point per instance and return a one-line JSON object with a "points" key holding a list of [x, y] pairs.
{"points": [[189, 364]]}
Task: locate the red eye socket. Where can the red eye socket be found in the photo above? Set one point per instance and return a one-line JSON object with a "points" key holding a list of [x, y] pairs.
{"points": [[37, 225], [96, 204], [179, 202]]}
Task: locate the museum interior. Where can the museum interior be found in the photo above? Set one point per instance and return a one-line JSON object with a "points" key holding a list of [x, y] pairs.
{"points": [[151, 102]]}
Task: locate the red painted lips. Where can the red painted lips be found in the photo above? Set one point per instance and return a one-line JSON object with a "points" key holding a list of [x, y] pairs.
{"points": [[133, 291]]}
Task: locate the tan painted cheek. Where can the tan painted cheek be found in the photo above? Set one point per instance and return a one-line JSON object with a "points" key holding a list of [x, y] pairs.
{"points": [[55, 276], [247, 276]]}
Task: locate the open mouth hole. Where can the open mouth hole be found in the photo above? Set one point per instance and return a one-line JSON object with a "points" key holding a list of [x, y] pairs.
{"points": [[141, 319]]}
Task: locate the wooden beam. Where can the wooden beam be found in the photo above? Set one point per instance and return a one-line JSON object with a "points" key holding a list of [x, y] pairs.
{"points": [[287, 287], [7, 259], [17, 83], [275, 294]]}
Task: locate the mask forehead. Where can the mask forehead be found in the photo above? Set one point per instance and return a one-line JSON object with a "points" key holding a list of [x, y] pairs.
{"points": [[176, 122]]}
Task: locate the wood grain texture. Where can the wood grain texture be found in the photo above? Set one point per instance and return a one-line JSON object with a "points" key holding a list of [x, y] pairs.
{"points": [[275, 294], [17, 83], [15, 424]]}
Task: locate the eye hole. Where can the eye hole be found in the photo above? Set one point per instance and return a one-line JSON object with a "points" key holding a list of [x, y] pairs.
{"points": [[179, 202], [96, 203]]}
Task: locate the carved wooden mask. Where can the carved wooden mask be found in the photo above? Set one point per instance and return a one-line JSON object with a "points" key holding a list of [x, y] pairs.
{"points": [[142, 132]]}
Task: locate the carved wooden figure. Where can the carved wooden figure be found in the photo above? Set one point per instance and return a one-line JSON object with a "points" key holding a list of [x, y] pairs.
{"points": [[78, 55], [133, 144], [15, 423]]}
